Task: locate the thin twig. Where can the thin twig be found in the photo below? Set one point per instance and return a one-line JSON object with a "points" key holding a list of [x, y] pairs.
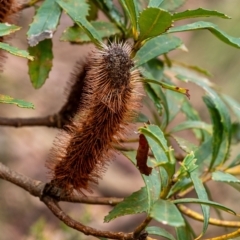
{"points": [[35, 188], [232, 235], [57, 211], [196, 216], [141, 227], [48, 121]]}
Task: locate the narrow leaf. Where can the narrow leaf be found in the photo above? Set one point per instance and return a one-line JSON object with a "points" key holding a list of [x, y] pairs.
{"points": [[202, 195], [172, 5], [192, 124], [6, 29], [233, 104], [156, 47], [15, 51], [77, 34], [167, 213], [152, 182], [73, 8], [224, 177], [130, 6], [155, 3], [204, 202], [41, 66], [185, 145], [183, 233], [233, 41], [44, 22], [18, 102], [153, 22], [135, 203], [200, 12], [159, 232]]}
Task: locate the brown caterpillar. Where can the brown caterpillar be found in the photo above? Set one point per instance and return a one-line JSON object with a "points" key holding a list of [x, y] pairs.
{"points": [[7, 10], [110, 101]]}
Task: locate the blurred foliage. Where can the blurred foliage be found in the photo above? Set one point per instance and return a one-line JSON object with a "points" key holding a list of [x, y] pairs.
{"points": [[174, 172]]}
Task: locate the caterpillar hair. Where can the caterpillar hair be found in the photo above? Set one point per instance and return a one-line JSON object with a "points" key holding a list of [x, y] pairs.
{"points": [[7, 10], [109, 103]]}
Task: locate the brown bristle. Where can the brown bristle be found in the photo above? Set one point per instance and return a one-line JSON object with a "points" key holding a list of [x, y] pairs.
{"points": [[74, 92], [7, 10], [110, 100]]}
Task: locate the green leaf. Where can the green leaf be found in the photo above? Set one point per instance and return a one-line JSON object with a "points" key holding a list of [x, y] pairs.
{"points": [[73, 8], [44, 22], [142, 118], [200, 12], [183, 233], [172, 5], [77, 34], [158, 144], [130, 6], [202, 195], [204, 151], [167, 213], [15, 51], [187, 166], [235, 133], [204, 202], [233, 104], [192, 124], [220, 118], [6, 29], [156, 47], [181, 185], [136, 203], [235, 162], [159, 232], [192, 115], [227, 178], [111, 12], [153, 22], [233, 41], [93, 11], [185, 145], [152, 182], [18, 102], [154, 97], [41, 66], [154, 3]]}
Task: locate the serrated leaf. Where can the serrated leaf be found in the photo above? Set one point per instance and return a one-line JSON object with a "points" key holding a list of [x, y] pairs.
{"points": [[233, 41], [235, 132], [6, 29], [185, 145], [191, 114], [202, 195], [192, 124], [73, 8], [220, 118], [153, 22], [154, 3], [172, 5], [204, 151], [111, 12], [205, 202], [227, 178], [156, 47], [200, 12], [41, 66], [130, 6], [44, 22], [20, 103], [180, 185], [159, 232], [15, 51], [233, 104], [135, 203], [93, 11], [152, 182], [158, 144], [77, 34], [167, 213]]}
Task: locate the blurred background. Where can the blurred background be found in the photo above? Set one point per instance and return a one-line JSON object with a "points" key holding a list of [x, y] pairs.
{"points": [[25, 149]]}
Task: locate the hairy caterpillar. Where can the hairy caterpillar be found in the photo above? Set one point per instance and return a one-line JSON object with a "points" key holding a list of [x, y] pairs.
{"points": [[109, 102], [7, 9]]}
